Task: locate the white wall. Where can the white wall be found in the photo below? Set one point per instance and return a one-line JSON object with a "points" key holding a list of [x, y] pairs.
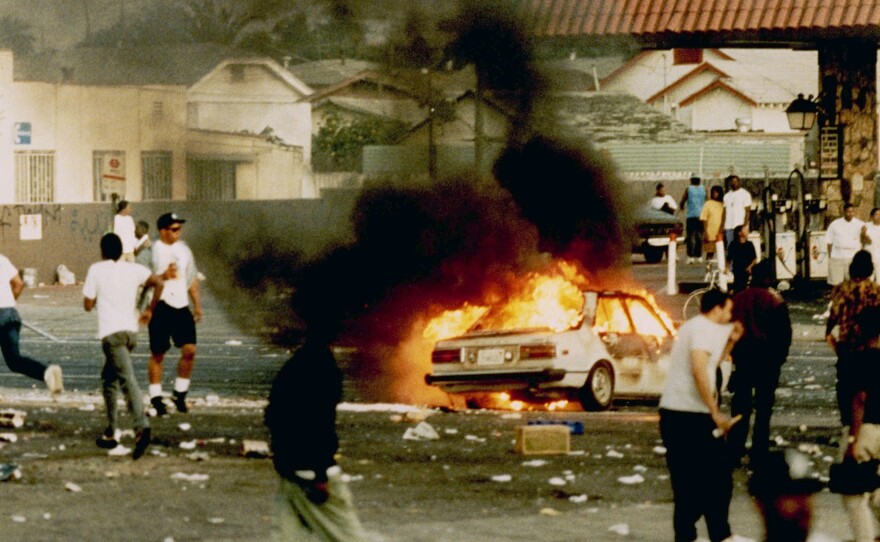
{"points": [[75, 120]]}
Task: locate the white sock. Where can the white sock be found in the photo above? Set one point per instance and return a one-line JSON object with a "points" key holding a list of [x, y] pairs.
{"points": [[181, 385], [155, 390]]}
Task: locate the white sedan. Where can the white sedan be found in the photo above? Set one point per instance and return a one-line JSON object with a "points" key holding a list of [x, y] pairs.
{"points": [[618, 349]]}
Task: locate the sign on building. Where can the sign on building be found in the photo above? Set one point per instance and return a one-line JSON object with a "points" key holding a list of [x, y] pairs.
{"points": [[30, 227], [21, 133], [113, 173]]}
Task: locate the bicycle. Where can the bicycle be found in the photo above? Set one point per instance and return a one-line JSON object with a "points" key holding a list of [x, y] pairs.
{"points": [[692, 303]]}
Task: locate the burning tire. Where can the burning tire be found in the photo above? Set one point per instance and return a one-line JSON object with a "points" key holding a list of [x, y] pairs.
{"points": [[599, 388]]}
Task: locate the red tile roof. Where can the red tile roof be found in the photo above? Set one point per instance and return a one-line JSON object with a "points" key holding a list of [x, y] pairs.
{"points": [[647, 17]]}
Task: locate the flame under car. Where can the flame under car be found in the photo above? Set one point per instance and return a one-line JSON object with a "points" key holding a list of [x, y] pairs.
{"points": [[618, 349]]}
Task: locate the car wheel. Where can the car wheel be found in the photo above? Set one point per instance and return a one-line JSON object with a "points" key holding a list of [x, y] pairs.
{"points": [[599, 388], [654, 254]]}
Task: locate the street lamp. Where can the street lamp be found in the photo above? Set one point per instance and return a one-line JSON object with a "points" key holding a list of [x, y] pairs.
{"points": [[802, 113]]}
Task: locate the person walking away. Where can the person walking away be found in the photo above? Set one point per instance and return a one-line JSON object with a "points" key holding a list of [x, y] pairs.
{"points": [[737, 207], [712, 218], [663, 201], [741, 258], [861, 456], [871, 240], [844, 238], [112, 286], [172, 318], [692, 201], [757, 360], [842, 329], [123, 226], [690, 419], [11, 286], [313, 500]]}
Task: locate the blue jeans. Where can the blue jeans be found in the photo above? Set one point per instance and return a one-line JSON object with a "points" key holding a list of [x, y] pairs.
{"points": [[117, 374], [10, 329]]}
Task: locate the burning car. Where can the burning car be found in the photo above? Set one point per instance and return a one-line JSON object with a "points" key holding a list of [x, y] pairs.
{"points": [[614, 345]]}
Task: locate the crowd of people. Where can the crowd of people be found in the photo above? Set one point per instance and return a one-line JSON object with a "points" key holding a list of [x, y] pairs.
{"points": [[752, 327]]}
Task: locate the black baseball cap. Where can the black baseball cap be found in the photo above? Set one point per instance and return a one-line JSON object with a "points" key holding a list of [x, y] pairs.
{"points": [[168, 219]]}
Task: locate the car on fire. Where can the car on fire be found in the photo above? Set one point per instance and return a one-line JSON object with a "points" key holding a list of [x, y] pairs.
{"points": [[652, 230], [619, 348]]}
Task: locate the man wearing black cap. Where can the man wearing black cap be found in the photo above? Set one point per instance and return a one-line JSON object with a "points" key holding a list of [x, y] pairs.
{"points": [[172, 318]]}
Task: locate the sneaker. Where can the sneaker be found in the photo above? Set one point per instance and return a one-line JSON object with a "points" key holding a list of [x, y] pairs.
{"points": [[690, 260], [53, 378], [179, 399], [108, 440], [141, 443], [159, 406]]}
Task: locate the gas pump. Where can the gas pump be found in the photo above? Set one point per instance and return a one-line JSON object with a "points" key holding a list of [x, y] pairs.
{"points": [[816, 259], [781, 240]]}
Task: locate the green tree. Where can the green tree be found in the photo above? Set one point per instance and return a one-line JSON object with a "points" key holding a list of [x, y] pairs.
{"points": [[339, 144]]}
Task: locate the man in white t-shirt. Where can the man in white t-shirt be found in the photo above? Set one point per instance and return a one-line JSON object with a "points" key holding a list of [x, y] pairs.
{"points": [[123, 226], [737, 207], [844, 239], [112, 285], [871, 240], [663, 201], [11, 286], [172, 319], [691, 421]]}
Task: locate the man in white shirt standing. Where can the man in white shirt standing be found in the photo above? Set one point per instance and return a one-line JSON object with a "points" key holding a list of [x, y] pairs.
{"points": [[663, 201], [691, 421], [844, 239], [172, 319], [123, 226], [737, 207], [871, 240], [112, 286], [11, 286]]}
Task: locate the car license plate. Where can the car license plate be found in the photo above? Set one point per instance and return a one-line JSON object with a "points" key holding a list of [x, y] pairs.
{"points": [[490, 356]]}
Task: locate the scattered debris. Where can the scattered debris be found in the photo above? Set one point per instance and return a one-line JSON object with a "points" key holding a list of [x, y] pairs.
{"points": [[88, 407], [631, 480], [184, 426], [233, 342], [9, 471], [258, 449], [660, 450], [614, 454], [73, 488], [118, 451], [18, 519], [451, 431], [640, 468], [549, 512], [183, 477], [188, 445], [578, 499], [422, 431], [12, 418], [198, 456], [502, 478], [8, 437], [535, 463], [620, 528], [212, 399], [216, 521], [474, 438], [556, 481]]}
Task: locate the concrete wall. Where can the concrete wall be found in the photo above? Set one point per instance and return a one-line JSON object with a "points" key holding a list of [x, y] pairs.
{"points": [[73, 121], [71, 232]]}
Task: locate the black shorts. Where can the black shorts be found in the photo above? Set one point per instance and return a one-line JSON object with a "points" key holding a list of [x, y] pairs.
{"points": [[169, 323]]}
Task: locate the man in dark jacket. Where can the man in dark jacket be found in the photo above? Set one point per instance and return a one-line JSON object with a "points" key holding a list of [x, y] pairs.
{"points": [[313, 500], [757, 361]]}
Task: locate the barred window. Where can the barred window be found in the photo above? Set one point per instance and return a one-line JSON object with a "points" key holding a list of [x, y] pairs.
{"points": [[156, 171], [210, 179], [34, 176]]}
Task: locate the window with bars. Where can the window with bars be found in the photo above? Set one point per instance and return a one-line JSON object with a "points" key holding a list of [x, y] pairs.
{"points": [[210, 180], [34, 176], [156, 171]]}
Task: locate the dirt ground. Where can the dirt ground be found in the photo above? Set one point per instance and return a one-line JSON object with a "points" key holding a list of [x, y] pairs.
{"points": [[193, 484]]}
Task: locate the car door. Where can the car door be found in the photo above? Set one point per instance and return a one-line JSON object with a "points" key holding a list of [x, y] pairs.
{"points": [[628, 350], [656, 339]]}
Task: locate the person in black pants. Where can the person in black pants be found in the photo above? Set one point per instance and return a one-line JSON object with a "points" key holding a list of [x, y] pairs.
{"points": [[757, 360], [742, 257]]}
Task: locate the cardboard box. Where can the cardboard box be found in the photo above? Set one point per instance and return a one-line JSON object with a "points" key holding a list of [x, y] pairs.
{"points": [[543, 439]]}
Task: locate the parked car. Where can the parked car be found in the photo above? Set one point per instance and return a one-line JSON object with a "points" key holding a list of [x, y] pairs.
{"points": [[652, 230], [618, 349]]}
